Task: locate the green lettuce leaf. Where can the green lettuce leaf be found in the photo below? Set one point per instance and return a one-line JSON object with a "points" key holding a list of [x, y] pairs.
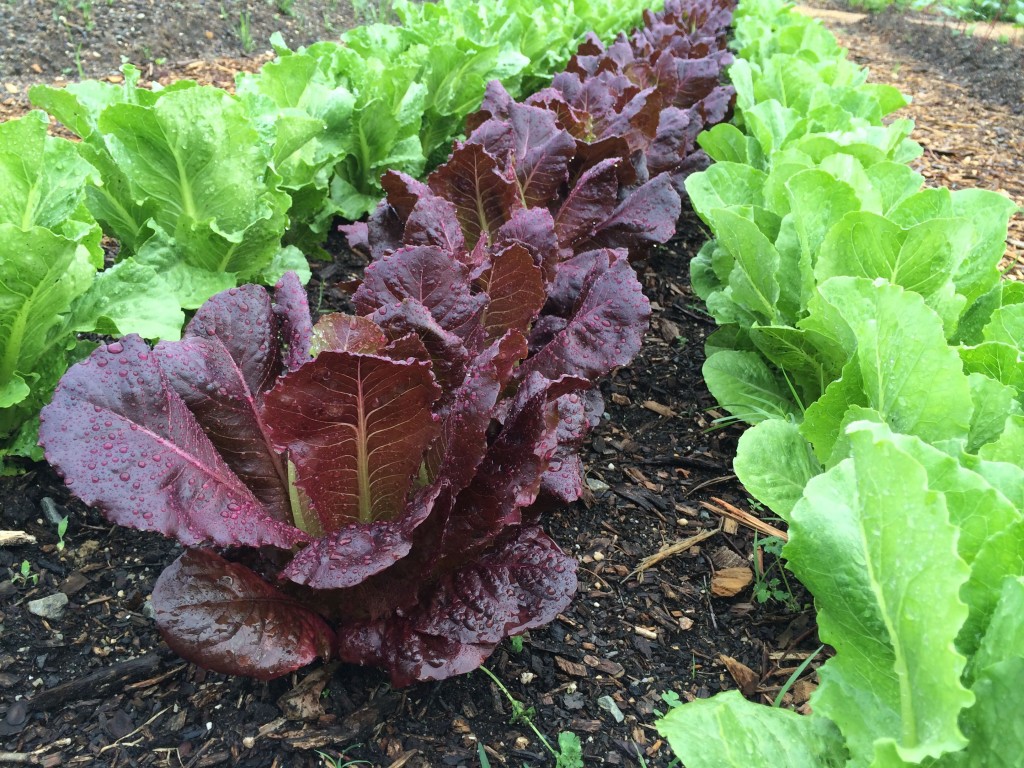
{"points": [[886, 602]]}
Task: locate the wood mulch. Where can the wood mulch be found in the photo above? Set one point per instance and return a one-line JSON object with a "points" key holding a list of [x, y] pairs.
{"points": [[970, 125]]}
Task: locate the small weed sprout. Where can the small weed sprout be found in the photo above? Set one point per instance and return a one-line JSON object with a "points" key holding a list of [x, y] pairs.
{"points": [[62, 529], [766, 585], [245, 31], [795, 676], [25, 575], [517, 643], [569, 753], [336, 762]]}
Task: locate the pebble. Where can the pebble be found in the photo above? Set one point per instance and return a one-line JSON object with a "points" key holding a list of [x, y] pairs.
{"points": [[50, 607], [52, 511], [148, 610], [607, 703]]}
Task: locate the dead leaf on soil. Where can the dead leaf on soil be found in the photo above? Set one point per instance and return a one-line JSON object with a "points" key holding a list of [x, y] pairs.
{"points": [[742, 674], [303, 702], [802, 690]]}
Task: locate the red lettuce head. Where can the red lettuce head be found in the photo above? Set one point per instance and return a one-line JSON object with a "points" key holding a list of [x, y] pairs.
{"points": [[363, 488]]}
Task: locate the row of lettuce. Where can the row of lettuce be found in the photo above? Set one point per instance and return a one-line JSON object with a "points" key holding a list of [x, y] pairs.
{"points": [[866, 334], [204, 190], [372, 484]]}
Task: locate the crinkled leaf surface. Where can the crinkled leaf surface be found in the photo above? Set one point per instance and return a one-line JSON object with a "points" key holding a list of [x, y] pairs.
{"points": [[886, 602], [356, 427], [222, 616], [484, 198], [902, 367], [228, 359], [431, 277], [347, 333], [43, 178], [126, 442], [515, 288], [129, 298], [523, 582], [605, 328]]}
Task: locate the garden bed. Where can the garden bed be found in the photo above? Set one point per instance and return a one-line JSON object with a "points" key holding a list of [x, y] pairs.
{"points": [[655, 470]]}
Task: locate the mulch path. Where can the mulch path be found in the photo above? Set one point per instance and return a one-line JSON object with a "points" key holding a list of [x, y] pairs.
{"points": [[967, 102], [98, 687]]}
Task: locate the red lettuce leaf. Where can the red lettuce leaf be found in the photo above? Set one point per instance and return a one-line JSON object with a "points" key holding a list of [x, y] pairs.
{"points": [[346, 333], [222, 616], [563, 479], [352, 554], [435, 221], [355, 427], [126, 443], [515, 287], [606, 327], [429, 276], [228, 357], [589, 202], [534, 229], [448, 353], [646, 216], [462, 443], [524, 581], [292, 310], [529, 139], [484, 197]]}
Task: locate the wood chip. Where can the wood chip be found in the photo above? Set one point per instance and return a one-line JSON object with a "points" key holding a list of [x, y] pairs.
{"points": [[620, 399], [571, 667], [607, 666], [729, 582], [669, 330], [658, 408], [586, 726], [649, 632], [728, 511], [404, 758], [742, 674], [16, 538], [672, 549]]}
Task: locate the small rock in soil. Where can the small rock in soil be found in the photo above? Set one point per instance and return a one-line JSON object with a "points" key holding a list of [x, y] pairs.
{"points": [[607, 703], [52, 511], [50, 607]]}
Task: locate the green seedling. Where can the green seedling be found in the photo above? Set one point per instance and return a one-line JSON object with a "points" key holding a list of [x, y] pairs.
{"points": [[62, 529], [768, 586], [795, 676], [336, 762], [25, 575], [517, 643], [568, 754], [245, 31]]}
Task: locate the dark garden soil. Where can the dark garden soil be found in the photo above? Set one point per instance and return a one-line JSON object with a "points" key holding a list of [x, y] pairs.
{"points": [[96, 686], [42, 39]]}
